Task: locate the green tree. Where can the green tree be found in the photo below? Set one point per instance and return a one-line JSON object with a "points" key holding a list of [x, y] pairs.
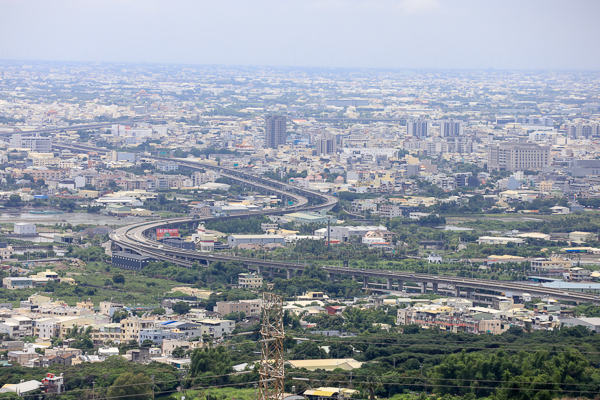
{"points": [[181, 307], [314, 272], [119, 315], [158, 311], [235, 316], [14, 201], [178, 352], [211, 361], [131, 386], [118, 278]]}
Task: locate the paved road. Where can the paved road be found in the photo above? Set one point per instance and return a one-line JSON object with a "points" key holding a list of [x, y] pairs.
{"points": [[134, 238]]}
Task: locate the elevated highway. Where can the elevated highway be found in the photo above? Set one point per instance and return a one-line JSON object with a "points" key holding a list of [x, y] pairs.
{"points": [[95, 125], [77, 147], [136, 238], [133, 238]]}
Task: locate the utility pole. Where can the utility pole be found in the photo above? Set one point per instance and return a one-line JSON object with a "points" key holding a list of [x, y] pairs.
{"points": [[152, 387], [328, 233]]}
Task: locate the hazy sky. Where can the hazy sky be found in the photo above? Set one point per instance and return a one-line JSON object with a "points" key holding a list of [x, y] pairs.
{"points": [[503, 34]]}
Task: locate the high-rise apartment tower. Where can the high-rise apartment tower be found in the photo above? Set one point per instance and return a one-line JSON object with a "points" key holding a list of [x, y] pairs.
{"points": [[417, 127], [325, 144], [275, 130], [451, 127]]}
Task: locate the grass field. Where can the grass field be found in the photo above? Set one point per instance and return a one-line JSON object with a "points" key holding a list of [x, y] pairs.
{"points": [[94, 282]]}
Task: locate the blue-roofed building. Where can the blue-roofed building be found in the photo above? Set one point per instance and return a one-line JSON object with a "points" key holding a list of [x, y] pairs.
{"points": [[179, 330]]}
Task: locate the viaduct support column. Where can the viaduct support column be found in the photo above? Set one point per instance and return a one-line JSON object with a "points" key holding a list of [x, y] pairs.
{"points": [[261, 270], [469, 291], [271, 272], [290, 273], [435, 287], [400, 285], [365, 282], [423, 287], [390, 283], [332, 277], [457, 291]]}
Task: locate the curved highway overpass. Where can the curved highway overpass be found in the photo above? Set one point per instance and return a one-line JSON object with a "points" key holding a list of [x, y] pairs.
{"points": [[136, 238]]}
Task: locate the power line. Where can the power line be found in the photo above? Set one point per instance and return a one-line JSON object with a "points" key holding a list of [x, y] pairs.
{"points": [[135, 384], [424, 378], [473, 387], [527, 346]]}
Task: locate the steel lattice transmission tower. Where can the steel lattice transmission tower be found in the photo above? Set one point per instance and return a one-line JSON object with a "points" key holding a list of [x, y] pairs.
{"points": [[271, 359]]}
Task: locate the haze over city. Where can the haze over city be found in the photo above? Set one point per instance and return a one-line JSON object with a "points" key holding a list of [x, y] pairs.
{"points": [[507, 34], [299, 200]]}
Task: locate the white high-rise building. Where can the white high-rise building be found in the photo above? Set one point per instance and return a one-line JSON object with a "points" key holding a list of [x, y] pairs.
{"points": [[451, 127], [326, 144], [417, 127], [583, 129]]}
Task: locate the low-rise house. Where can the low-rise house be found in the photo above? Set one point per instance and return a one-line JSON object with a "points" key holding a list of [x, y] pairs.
{"points": [[179, 330], [168, 345], [17, 327], [550, 264], [65, 359], [250, 281], [249, 307], [107, 333], [6, 251], [580, 274], [22, 357], [217, 328]]}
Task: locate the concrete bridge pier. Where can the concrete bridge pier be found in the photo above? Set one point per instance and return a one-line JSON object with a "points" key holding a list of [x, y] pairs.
{"points": [[400, 285], [271, 272], [457, 289], [423, 287], [469, 292], [332, 277], [390, 283], [261, 270], [365, 282], [435, 287], [290, 273]]}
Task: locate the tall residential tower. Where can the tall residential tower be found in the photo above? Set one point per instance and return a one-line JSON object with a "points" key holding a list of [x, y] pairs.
{"points": [[417, 127], [275, 131]]}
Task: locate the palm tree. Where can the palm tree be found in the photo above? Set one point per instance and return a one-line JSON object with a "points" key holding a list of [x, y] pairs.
{"points": [[370, 385]]}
